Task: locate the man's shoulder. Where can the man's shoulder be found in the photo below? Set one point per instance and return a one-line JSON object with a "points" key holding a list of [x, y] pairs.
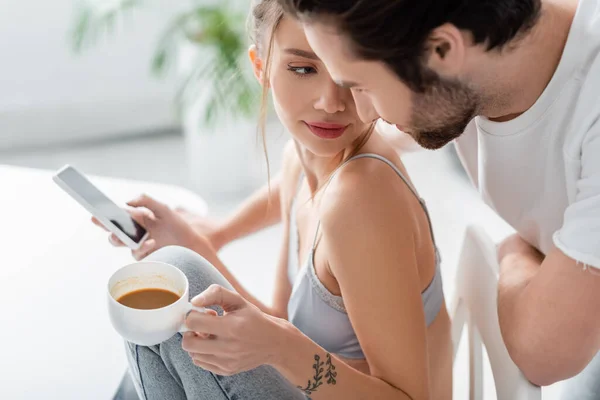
{"points": [[583, 117], [586, 51]]}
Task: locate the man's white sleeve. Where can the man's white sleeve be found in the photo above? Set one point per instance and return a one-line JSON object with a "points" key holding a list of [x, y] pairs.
{"points": [[579, 237]]}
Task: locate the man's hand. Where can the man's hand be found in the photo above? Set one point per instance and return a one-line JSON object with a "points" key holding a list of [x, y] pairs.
{"points": [[516, 245], [519, 262]]}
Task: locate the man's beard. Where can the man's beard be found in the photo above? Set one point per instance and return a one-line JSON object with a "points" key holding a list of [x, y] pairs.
{"points": [[441, 113]]}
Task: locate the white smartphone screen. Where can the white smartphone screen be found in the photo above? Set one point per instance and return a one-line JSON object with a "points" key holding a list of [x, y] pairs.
{"points": [[101, 204]]}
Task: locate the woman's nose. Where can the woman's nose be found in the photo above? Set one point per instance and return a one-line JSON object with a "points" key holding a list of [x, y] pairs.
{"points": [[331, 99]]}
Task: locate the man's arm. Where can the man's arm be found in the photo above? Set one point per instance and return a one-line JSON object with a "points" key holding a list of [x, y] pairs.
{"points": [[549, 311], [550, 315]]}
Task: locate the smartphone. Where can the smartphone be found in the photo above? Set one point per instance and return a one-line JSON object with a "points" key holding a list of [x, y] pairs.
{"points": [[113, 217]]}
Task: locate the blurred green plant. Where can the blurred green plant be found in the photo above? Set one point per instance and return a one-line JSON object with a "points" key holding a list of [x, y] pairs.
{"points": [[218, 30]]}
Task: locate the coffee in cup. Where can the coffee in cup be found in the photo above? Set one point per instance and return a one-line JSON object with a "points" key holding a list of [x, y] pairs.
{"points": [[148, 302], [148, 299]]}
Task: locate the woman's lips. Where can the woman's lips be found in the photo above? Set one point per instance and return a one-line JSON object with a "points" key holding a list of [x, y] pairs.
{"points": [[326, 130]]}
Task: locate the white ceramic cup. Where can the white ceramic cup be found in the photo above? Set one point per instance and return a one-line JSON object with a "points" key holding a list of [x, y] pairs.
{"points": [[149, 327]]}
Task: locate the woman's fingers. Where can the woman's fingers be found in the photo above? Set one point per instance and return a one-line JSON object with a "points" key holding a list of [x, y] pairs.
{"points": [[214, 345], [210, 359], [217, 295], [98, 223], [115, 241], [151, 204], [192, 343], [203, 335], [137, 215], [205, 322], [142, 216], [211, 368], [145, 249], [112, 238]]}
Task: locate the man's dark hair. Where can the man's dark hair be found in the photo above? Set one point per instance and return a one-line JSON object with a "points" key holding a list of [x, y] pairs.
{"points": [[396, 31]]}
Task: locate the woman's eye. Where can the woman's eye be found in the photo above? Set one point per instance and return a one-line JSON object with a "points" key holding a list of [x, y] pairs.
{"points": [[358, 90], [302, 71]]}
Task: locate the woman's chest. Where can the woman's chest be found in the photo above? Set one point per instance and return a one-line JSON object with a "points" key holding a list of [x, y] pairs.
{"points": [[311, 246]]}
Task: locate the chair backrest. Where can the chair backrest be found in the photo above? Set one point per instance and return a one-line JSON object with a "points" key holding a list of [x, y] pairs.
{"points": [[474, 305]]}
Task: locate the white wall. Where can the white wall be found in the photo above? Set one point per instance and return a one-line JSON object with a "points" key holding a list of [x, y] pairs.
{"points": [[49, 95]]}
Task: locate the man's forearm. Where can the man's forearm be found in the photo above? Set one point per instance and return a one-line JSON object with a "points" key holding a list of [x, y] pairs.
{"points": [[517, 269], [260, 210]]}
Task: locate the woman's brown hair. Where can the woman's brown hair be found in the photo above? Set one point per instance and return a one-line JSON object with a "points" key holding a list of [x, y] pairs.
{"points": [[262, 24]]}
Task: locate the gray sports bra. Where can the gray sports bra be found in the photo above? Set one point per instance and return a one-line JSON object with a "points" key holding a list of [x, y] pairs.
{"points": [[321, 315]]}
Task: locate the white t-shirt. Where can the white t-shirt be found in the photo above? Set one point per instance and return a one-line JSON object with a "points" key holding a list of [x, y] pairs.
{"points": [[541, 170]]}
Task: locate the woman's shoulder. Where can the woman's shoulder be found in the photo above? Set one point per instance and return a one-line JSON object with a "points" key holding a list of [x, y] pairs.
{"points": [[368, 206], [366, 185]]}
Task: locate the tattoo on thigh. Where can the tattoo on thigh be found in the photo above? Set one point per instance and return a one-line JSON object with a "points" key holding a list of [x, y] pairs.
{"points": [[317, 380]]}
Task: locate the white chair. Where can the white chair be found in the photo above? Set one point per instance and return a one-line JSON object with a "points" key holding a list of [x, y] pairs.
{"points": [[474, 305]]}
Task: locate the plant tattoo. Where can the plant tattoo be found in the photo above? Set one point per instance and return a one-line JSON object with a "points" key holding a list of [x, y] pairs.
{"points": [[317, 380], [330, 374]]}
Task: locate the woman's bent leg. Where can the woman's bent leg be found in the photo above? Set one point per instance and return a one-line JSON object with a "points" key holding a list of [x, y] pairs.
{"points": [[166, 371]]}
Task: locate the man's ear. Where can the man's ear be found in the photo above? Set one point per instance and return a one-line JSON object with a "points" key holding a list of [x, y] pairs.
{"points": [[446, 50], [257, 63]]}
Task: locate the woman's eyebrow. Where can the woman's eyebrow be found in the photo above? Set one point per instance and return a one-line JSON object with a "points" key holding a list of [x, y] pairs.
{"points": [[302, 53]]}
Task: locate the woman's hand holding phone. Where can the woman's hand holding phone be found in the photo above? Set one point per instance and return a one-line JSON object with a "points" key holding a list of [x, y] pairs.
{"points": [[205, 226], [165, 227]]}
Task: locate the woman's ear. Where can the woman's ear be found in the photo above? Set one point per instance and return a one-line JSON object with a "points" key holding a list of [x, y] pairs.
{"points": [[446, 50], [257, 64]]}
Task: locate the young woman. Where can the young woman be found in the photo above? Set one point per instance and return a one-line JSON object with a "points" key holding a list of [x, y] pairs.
{"points": [[358, 310]]}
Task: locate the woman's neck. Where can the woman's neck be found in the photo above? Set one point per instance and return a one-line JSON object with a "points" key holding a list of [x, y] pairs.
{"points": [[318, 169]]}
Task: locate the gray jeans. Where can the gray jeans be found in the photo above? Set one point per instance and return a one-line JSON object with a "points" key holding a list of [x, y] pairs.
{"points": [[166, 371]]}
